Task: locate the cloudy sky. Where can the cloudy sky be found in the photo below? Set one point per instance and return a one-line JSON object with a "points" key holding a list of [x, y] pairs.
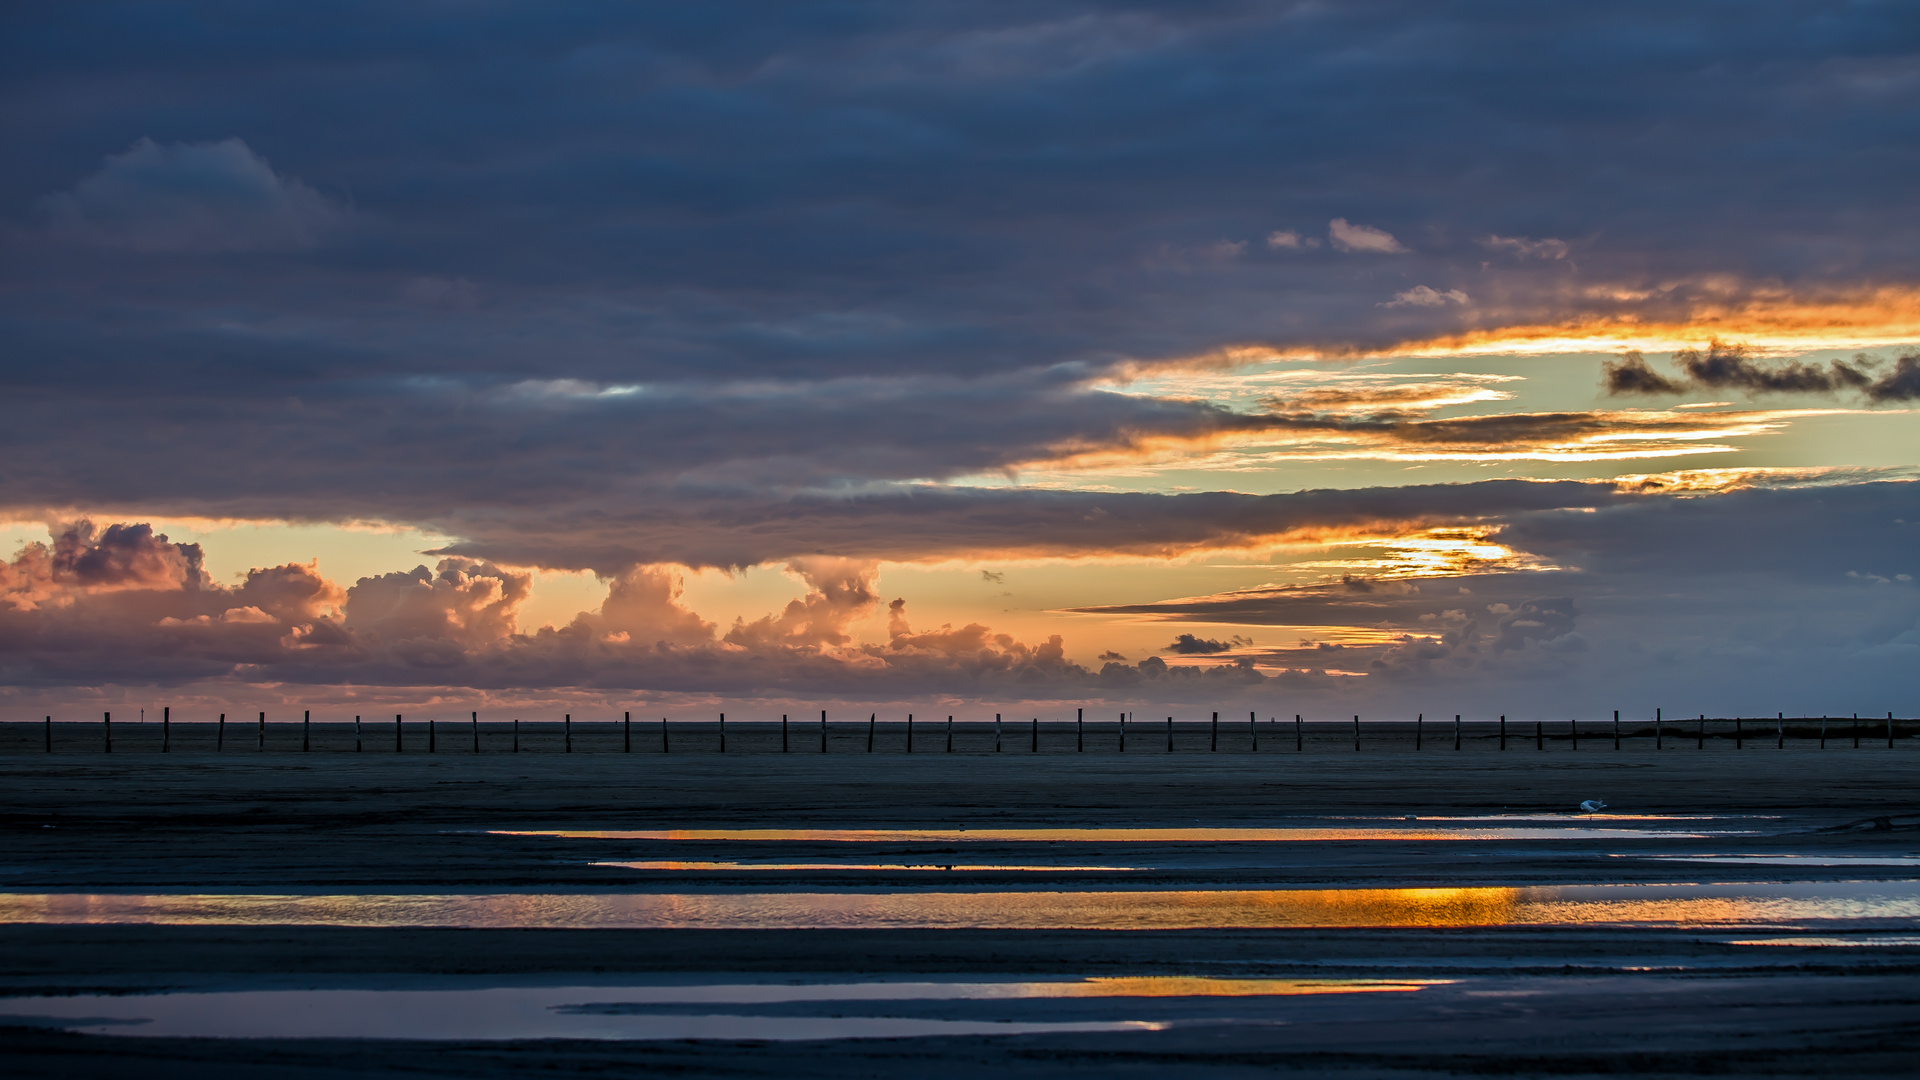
{"points": [[1298, 357]]}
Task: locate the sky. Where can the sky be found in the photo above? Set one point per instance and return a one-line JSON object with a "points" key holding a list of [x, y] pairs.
{"points": [[1379, 358]]}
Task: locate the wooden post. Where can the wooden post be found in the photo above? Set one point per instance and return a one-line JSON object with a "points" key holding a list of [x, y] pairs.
{"points": [[566, 728], [823, 731], [1080, 731], [1739, 736], [783, 733], [1299, 736], [1419, 722], [949, 734], [1889, 730], [432, 745], [106, 727], [1123, 733], [166, 733], [1701, 742], [1539, 734], [516, 734], [1616, 729], [1035, 747], [909, 733], [723, 733], [1456, 731], [1503, 732], [1856, 731], [1356, 734], [356, 731], [626, 732], [396, 732], [666, 747], [872, 718], [306, 730], [49, 734], [1780, 731], [996, 733], [1253, 731], [476, 733], [1658, 736], [1169, 734], [1213, 747], [1573, 733], [263, 733], [1823, 733]]}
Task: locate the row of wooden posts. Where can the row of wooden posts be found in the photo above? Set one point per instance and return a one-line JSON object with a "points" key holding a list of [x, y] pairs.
{"points": [[1660, 724]]}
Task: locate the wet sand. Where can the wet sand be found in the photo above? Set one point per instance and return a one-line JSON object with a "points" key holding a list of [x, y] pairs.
{"points": [[1532, 1000]]}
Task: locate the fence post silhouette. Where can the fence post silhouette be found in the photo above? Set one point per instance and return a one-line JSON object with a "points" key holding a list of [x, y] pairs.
{"points": [[1503, 732], [1616, 729], [1739, 735], [1035, 748], [1889, 730], [356, 730], [263, 733], [909, 733], [1169, 734], [783, 733], [516, 734], [1856, 731], [1253, 731], [49, 734], [996, 733], [823, 731], [106, 729], [723, 733], [1456, 731], [1823, 733], [1659, 736], [666, 747], [1419, 722], [1214, 745], [1299, 736], [1080, 731], [1701, 741], [166, 732], [1123, 733], [872, 718], [1573, 733], [431, 748], [566, 730], [396, 730], [1539, 734], [306, 730], [1356, 734], [476, 733], [626, 732], [949, 734], [1780, 731]]}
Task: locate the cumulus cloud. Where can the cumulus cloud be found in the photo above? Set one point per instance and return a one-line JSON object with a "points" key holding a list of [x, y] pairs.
{"points": [[1362, 238], [1525, 248], [218, 196], [1426, 296]]}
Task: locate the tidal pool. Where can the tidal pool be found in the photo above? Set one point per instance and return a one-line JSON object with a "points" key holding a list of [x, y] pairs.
{"points": [[1784, 905], [696, 1011]]}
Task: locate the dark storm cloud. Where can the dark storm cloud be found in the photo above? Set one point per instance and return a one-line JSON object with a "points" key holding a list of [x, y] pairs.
{"points": [[1190, 645], [1722, 366], [212, 216]]}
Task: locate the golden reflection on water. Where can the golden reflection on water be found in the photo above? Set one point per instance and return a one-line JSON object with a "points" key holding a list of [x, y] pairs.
{"points": [[1127, 836], [1699, 905]]}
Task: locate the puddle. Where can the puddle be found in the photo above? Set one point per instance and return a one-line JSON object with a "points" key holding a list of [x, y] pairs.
{"points": [[1793, 860], [1865, 941], [1411, 831], [669, 864], [1781, 905], [759, 1011]]}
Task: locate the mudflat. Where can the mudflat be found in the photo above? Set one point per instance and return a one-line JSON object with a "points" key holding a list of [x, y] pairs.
{"points": [[1575, 997]]}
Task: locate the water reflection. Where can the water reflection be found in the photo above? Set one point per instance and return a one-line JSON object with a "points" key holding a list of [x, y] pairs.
{"points": [[1728, 905], [683, 864], [1411, 831]]}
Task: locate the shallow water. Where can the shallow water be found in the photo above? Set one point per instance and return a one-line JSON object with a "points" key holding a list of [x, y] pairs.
{"points": [[1703, 905], [682, 864], [761, 1010], [1411, 830]]}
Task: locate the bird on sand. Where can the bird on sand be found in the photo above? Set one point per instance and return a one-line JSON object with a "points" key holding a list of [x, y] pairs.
{"points": [[1593, 806]]}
